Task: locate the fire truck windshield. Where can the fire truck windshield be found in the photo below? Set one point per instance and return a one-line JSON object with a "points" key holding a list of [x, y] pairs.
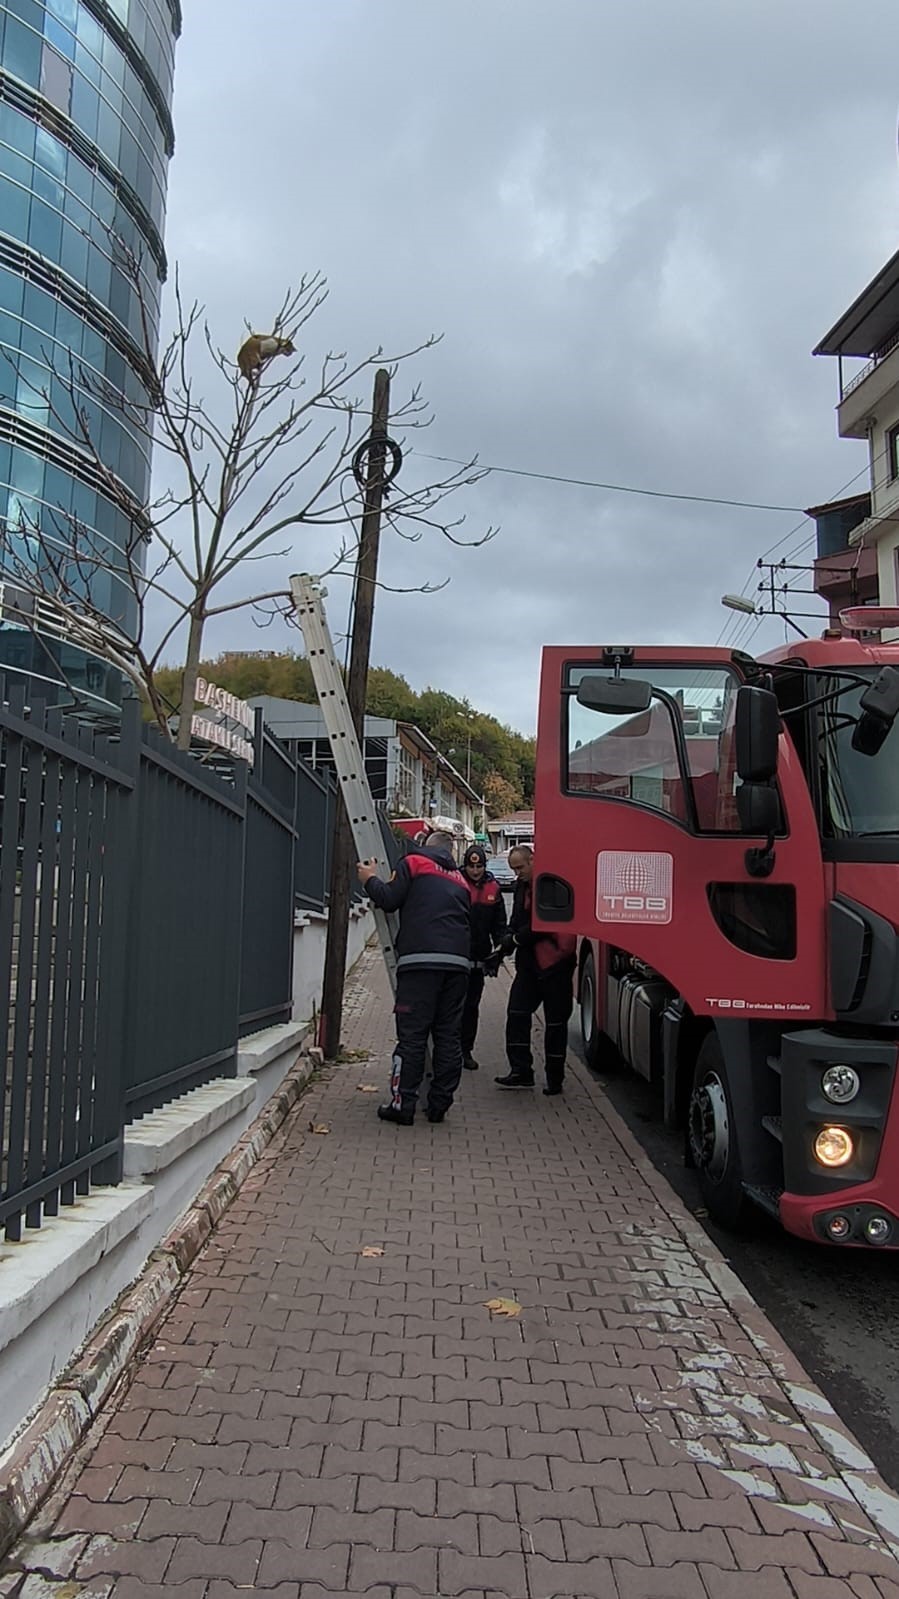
{"points": [[859, 794], [676, 756]]}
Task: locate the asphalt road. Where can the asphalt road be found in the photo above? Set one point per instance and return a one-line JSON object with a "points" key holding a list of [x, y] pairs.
{"points": [[838, 1312]]}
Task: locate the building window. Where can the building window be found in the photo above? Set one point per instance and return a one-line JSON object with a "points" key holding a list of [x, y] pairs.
{"points": [[893, 454], [56, 79]]}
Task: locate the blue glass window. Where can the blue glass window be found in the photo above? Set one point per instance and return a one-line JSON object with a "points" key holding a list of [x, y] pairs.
{"points": [[87, 65], [85, 107], [12, 291], [17, 130], [28, 473], [50, 154], [65, 10], [30, 401], [73, 257], [45, 230], [59, 38], [10, 333], [15, 205], [29, 11], [57, 487], [98, 270], [22, 49]]}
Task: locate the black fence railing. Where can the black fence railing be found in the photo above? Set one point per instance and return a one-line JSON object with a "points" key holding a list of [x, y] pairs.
{"points": [[184, 930], [268, 886], [316, 800], [146, 924], [65, 823]]}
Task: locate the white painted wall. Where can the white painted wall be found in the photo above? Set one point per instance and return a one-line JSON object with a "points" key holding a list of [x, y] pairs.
{"points": [[311, 929], [872, 409]]}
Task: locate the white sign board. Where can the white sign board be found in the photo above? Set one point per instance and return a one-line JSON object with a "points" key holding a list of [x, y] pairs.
{"points": [[234, 710]]}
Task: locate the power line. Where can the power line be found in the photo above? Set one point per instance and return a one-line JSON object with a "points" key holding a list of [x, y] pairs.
{"points": [[617, 488], [798, 549]]}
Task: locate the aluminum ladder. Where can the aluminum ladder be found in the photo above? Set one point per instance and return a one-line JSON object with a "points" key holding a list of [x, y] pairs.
{"points": [[307, 595]]}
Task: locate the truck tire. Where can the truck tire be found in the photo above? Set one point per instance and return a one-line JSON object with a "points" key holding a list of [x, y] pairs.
{"points": [[714, 1143], [599, 1052]]}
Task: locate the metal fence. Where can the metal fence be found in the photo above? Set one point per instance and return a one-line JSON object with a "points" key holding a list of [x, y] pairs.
{"points": [[316, 800], [184, 930], [266, 972], [64, 836], [146, 923]]}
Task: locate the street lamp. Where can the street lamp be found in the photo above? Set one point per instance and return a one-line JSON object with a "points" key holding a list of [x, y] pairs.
{"points": [[467, 717], [739, 602]]}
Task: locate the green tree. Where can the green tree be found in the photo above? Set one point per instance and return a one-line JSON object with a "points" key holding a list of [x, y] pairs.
{"points": [[390, 696]]}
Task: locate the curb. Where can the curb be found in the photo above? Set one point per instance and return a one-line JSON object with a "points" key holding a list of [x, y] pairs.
{"points": [[33, 1462]]}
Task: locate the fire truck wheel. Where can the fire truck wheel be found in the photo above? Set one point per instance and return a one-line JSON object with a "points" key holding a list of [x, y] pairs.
{"points": [[713, 1139], [599, 1051]]}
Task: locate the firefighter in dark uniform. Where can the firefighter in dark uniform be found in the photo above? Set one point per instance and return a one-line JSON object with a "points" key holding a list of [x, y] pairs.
{"points": [[544, 976], [488, 929], [433, 962]]}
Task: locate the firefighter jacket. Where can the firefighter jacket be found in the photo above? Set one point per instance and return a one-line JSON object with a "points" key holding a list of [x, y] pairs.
{"points": [[542, 951], [488, 917], [433, 901]]}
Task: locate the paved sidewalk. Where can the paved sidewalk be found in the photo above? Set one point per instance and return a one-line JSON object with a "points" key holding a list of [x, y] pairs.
{"points": [[315, 1420]]}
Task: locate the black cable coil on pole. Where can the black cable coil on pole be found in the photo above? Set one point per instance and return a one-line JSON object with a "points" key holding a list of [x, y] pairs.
{"points": [[360, 460]]}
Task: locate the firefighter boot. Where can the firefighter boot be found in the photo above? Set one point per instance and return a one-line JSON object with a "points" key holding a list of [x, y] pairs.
{"points": [[392, 1113], [516, 1080]]}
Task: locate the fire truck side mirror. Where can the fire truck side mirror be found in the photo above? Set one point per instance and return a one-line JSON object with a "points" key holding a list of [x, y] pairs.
{"points": [[614, 696], [757, 730], [879, 708], [758, 809]]}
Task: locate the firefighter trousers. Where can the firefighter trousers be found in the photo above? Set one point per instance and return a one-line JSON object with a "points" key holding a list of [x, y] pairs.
{"points": [[531, 989], [429, 1004], [472, 1009]]}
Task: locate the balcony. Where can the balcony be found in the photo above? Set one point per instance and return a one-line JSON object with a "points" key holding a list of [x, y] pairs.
{"points": [[870, 393]]}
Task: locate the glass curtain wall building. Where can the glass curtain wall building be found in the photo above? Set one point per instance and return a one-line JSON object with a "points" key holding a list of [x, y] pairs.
{"points": [[85, 140]]}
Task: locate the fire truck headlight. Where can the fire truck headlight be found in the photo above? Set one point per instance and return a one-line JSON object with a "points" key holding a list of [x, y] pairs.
{"points": [[839, 1084], [833, 1146], [878, 1229]]}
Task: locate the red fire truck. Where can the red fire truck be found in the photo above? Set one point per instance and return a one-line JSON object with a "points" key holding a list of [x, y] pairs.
{"points": [[723, 833]]}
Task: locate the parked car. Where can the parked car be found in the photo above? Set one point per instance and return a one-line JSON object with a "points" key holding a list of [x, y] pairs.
{"points": [[502, 871]]}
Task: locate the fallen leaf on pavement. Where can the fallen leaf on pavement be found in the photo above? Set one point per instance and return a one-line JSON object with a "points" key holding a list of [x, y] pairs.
{"points": [[371, 1251], [319, 1127], [503, 1307], [366, 1088]]}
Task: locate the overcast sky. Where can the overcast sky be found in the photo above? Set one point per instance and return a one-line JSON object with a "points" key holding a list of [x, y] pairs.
{"points": [[631, 222]]}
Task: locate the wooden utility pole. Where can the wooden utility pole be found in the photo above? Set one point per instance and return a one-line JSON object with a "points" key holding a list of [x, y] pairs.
{"points": [[343, 859]]}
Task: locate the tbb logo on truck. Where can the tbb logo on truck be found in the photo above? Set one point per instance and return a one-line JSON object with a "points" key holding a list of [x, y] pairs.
{"points": [[633, 887]]}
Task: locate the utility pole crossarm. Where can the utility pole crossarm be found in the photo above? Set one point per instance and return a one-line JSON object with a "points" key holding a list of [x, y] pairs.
{"points": [[358, 803]]}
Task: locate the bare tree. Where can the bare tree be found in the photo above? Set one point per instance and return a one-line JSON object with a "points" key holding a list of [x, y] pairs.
{"points": [[272, 453]]}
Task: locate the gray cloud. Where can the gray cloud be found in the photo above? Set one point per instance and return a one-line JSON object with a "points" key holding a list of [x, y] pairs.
{"points": [[632, 223]]}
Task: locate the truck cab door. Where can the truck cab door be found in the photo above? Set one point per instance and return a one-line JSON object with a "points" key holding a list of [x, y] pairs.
{"points": [[639, 845]]}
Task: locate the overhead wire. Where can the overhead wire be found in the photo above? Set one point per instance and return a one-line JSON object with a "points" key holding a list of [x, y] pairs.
{"points": [[733, 623], [737, 626], [615, 488]]}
